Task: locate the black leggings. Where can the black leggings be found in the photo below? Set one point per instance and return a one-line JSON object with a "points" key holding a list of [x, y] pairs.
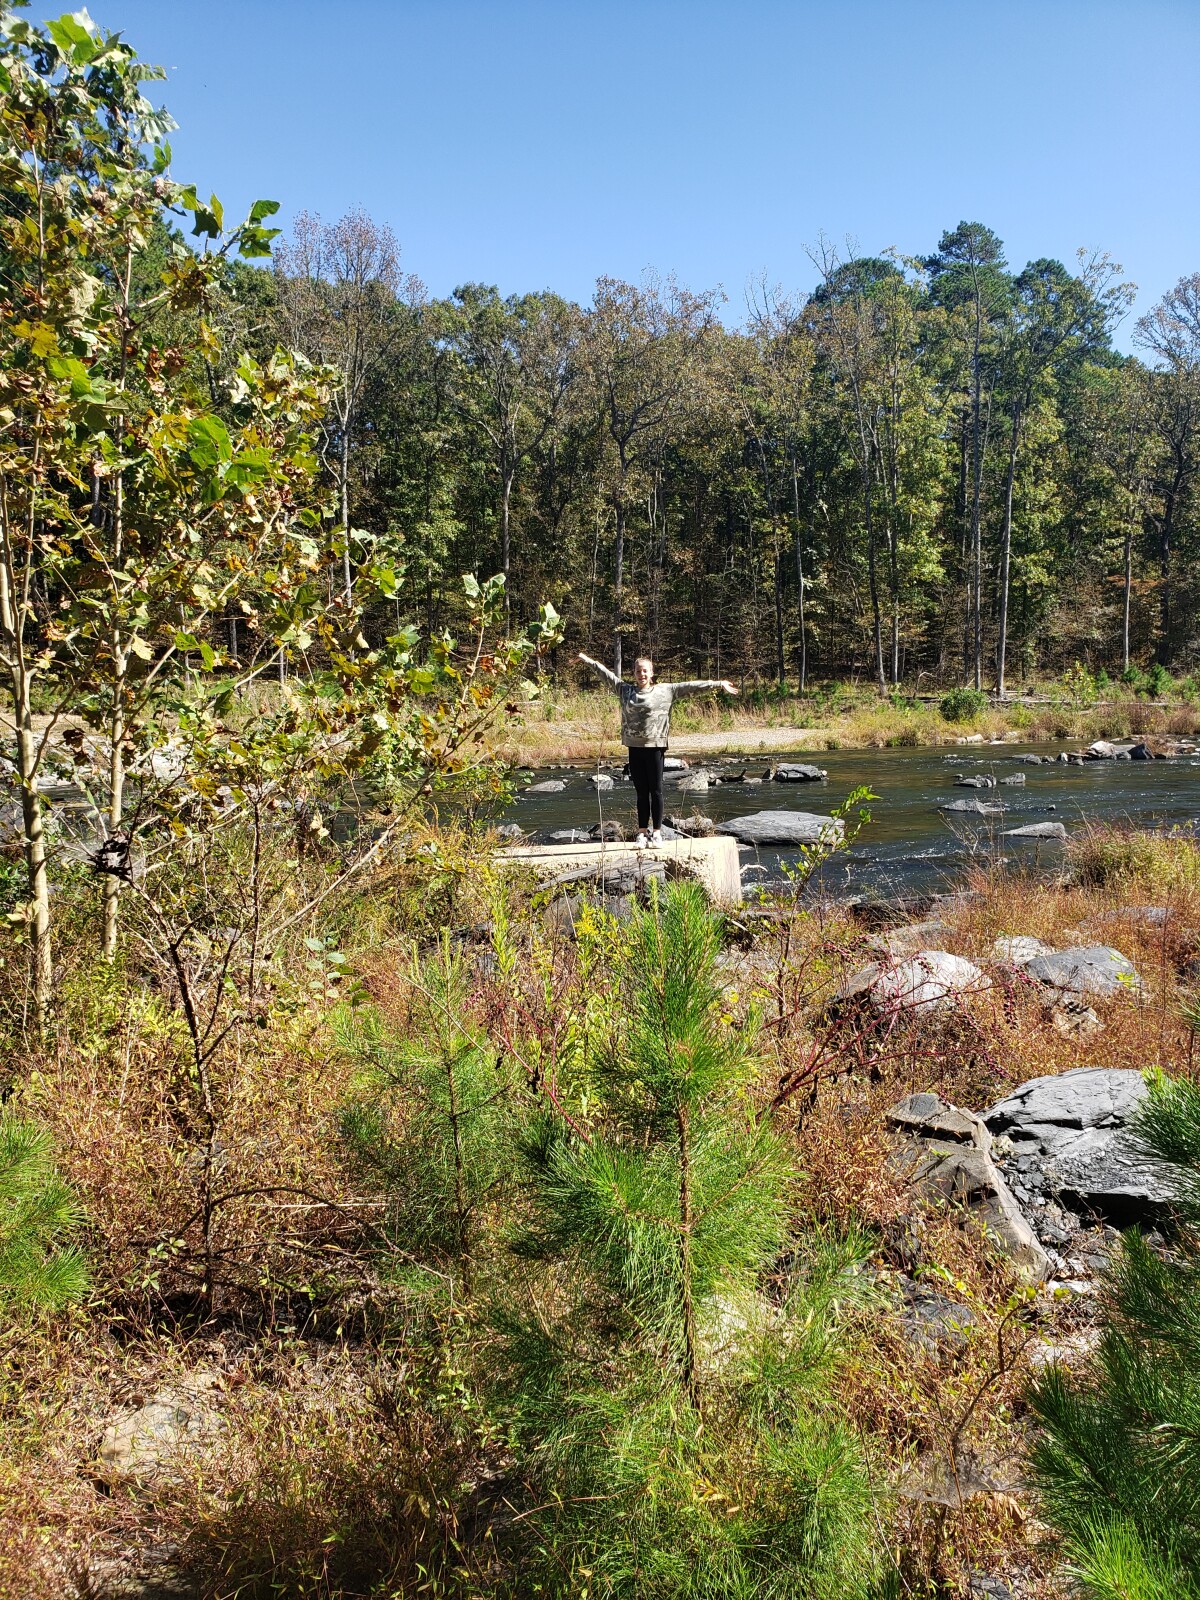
{"points": [[646, 770]]}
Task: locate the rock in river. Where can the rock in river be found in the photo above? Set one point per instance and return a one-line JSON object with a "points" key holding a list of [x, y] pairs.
{"points": [[783, 827], [981, 780], [551, 786], [798, 772], [977, 808], [1071, 1136], [1037, 830], [601, 780]]}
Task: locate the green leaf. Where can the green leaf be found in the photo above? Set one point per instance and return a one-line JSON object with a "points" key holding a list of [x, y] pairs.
{"points": [[74, 36], [263, 208], [207, 656], [209, 442]]}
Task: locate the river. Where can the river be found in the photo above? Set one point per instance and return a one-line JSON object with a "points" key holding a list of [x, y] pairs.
{"points": [[909, 847]]}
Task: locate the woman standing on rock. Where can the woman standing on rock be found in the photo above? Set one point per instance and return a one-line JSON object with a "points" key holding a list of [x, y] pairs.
{"points": [[645, 727]]}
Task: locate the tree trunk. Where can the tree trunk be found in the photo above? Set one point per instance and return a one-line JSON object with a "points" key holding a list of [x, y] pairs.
{"points": [[780, 662], [505, 512], [344, 474], [618, 585], [690, 1372], [42, 974], [800, 576], [116, 799], [1128, 591], [1006, 551]]}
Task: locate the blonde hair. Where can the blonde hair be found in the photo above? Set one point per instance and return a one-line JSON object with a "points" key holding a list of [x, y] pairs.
{"points": [[649, 660]]}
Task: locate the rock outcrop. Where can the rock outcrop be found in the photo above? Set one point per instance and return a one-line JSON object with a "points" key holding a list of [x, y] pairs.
{"points": [[948, 1151], [930, 980], [1069, 1139]]}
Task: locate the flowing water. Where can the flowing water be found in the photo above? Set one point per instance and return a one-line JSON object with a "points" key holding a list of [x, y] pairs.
{"points": [[909, 847]]}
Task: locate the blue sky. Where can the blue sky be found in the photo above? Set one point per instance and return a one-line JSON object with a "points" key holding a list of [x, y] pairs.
{"points": [[538, 143]]}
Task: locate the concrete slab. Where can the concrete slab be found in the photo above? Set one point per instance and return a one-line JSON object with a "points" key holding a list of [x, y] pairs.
{"points": [[714, 861]]}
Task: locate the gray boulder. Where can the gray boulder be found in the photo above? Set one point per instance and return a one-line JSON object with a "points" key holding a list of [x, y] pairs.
{"points": [[1015, 780], [674, 764], [510, 831], [783, 828], [1093, 969], [798, 772], [697, 784], [1076, 1128], [1037, 830], [931, 980], [571, 836], [982, 780], [601, 780], [551, 786], [1034, 760]]}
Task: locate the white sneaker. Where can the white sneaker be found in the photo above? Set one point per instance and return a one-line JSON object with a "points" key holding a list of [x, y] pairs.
{"points": [[656, 837], [640, 842]]}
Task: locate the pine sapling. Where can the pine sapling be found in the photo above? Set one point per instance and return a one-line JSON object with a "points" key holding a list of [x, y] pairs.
{"points": [[667, 1380]]}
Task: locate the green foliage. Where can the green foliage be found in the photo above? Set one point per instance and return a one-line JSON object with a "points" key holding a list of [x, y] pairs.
{"points": [[1118, 1464], [962, 705], [432, 1119], [1078, 686], [669, 1375], [37, 1209]]}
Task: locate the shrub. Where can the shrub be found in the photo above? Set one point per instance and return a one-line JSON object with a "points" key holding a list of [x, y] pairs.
{"points": [[961, 705]]}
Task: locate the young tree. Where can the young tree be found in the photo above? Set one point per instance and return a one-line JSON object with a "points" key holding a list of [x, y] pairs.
{"points": [[673, 1413], [37, 1211], [107, 472]]}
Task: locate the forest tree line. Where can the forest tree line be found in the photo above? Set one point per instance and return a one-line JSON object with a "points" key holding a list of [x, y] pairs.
{"points": [[932, 469]]}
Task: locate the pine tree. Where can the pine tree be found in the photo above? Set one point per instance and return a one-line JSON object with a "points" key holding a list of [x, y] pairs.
{"points": [[1119, 1462], [668, 1380], [36, 1209], [430, 1119]]}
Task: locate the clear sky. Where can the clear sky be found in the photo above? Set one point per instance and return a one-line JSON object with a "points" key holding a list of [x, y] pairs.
{"points": [[539, 143]]}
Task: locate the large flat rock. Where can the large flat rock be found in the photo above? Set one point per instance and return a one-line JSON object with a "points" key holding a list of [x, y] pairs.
{"points": [[783, 827]]}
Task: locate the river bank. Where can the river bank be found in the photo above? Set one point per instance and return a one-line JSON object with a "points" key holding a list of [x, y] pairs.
{"points": [[581, 727]]}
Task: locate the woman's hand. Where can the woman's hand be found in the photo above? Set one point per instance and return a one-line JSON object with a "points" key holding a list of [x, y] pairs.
{"points": [[729, 688]]}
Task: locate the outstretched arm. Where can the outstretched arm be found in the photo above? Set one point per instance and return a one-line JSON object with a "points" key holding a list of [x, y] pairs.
{"points": [[605, 672], [700, 685]]}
